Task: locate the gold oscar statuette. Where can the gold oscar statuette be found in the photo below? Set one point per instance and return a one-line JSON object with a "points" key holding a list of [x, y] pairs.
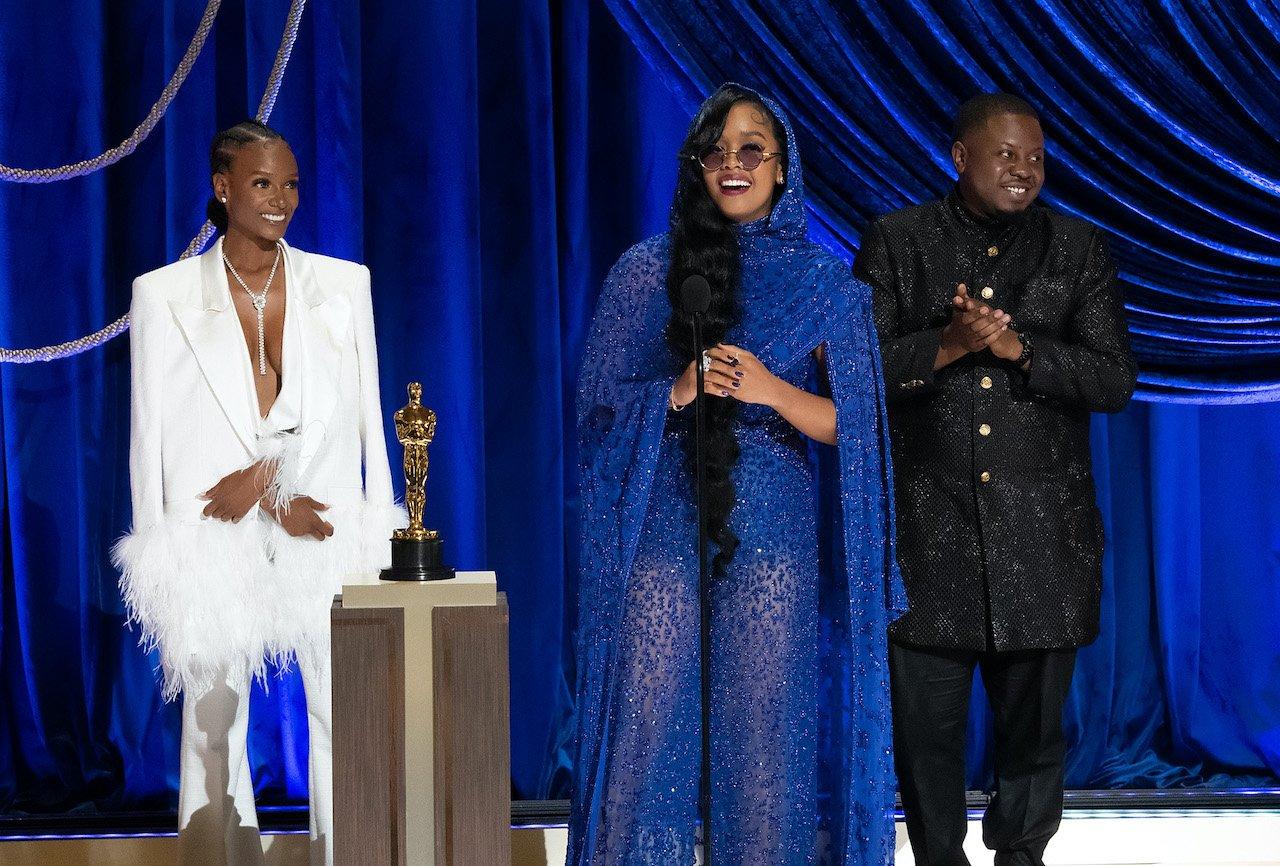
{"points": [[416, 553]]}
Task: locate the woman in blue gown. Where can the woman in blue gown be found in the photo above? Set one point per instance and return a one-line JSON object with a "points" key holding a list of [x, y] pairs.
{"points": [[803, 584]]}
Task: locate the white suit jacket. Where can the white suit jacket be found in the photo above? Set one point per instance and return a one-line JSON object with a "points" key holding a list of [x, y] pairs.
{"points": [[214, 595]]}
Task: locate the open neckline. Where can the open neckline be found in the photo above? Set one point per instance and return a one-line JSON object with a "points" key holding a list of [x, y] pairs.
{"points": [[284, 347], [244, 336]]}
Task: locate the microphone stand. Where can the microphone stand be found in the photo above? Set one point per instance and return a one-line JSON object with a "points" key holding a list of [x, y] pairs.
{"points": [[704, 592], [695, 299]]}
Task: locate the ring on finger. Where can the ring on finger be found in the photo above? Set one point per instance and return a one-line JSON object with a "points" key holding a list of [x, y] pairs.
{"points": [[706, 361]]}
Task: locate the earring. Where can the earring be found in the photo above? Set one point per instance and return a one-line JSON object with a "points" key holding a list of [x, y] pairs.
{"points": [[224, 199]]}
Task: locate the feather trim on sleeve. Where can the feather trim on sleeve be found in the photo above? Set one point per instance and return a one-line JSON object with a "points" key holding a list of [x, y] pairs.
{"points": [[282, 453]]}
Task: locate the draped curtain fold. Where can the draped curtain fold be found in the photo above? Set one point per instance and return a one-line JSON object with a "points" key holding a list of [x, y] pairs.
{"points": [[477, 158], [489, 162], [1161, 120]]}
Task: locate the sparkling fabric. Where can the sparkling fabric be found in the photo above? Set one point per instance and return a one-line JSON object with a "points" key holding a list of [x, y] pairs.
{"points": [[802, 772], [999, 534]]}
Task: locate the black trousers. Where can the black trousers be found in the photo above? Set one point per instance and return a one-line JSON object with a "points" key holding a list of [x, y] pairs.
{"points": [[1026, 690]]}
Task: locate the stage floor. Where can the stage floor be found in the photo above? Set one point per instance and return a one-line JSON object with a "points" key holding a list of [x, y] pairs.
{"points": [[1112, 837]]}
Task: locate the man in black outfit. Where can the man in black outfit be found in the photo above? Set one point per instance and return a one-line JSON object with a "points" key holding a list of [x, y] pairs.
{"points": [[1001, 328]]}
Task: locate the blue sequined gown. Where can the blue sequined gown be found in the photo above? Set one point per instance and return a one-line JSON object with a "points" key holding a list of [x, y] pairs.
{"points": [[764, 647], [801, 771]]}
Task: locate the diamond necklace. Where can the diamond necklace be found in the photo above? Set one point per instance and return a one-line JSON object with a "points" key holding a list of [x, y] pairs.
{"points": [[259, 301]]}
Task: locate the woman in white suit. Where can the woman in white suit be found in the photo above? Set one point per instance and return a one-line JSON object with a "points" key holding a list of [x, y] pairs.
{"points": [[259, 477]]}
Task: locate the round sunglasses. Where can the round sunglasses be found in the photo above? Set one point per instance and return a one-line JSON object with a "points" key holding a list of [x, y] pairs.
{"points": [[750, 156]]}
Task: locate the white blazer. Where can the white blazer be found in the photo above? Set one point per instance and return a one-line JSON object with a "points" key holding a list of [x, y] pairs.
{"points": [[216, 597]]}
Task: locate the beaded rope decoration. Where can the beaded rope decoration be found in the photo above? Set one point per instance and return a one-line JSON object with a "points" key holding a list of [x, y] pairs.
{"points": [[130, 144], [48, 175]]}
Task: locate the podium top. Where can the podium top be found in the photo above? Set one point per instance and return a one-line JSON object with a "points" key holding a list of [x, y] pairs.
{"points": [[465, 589]]}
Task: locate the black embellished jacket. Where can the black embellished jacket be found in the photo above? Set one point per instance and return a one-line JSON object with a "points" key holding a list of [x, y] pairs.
{"points": [[999, 536]]}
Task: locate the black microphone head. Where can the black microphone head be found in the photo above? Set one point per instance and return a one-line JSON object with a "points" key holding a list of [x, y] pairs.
{"points": [[695, 294]]}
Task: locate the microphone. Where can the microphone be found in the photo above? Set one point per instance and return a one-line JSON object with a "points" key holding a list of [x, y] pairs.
{"points": [[695, 294], [695, 298]]}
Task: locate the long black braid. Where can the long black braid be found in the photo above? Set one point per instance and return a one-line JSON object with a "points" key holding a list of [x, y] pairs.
{"points": [[704, 241]]}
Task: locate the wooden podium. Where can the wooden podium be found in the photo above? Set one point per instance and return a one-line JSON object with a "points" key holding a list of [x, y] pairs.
{"points": [[421, 745]]}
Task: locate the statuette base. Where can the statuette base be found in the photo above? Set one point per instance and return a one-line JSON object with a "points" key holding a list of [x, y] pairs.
{"points": [[417, 559]]}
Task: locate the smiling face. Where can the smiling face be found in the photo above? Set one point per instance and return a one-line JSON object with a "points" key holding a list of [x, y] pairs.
{"points": [[1001, 165], [741, 195], [260, 190]]}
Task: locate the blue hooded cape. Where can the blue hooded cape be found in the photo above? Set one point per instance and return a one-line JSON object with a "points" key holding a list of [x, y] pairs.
{"points": [[809, 299]]}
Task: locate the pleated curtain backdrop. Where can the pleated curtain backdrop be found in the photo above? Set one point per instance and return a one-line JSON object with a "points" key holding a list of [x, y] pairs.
{"points": [[1161, 121], [469, 156], [489, 163], [1161, 118]]}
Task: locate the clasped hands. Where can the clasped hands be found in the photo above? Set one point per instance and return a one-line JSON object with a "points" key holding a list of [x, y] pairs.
{"points": [[974, 326], [732, 372], [232, 497]]}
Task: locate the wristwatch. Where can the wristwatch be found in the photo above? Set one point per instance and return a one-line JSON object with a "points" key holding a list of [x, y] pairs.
{"points": [[1024, 358]]}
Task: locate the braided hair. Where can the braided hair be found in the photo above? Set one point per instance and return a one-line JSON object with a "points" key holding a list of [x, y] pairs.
{"points": [[223, 151]]}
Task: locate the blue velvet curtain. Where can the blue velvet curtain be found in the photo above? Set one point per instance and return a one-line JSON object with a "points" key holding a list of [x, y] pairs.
{"points": [[1161, 120], [489, 162], [477, 158]]}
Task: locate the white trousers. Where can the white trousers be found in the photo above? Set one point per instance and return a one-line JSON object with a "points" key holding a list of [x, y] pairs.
{"points": [[217, 820]]}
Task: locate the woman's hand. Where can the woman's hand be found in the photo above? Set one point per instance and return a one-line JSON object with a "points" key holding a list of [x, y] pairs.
{"points": [[739, 374], [301, 517], [233, 496], [733, 373]]}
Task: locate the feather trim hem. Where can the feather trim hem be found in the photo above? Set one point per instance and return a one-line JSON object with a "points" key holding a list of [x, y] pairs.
{"points": [[215, 598]]}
